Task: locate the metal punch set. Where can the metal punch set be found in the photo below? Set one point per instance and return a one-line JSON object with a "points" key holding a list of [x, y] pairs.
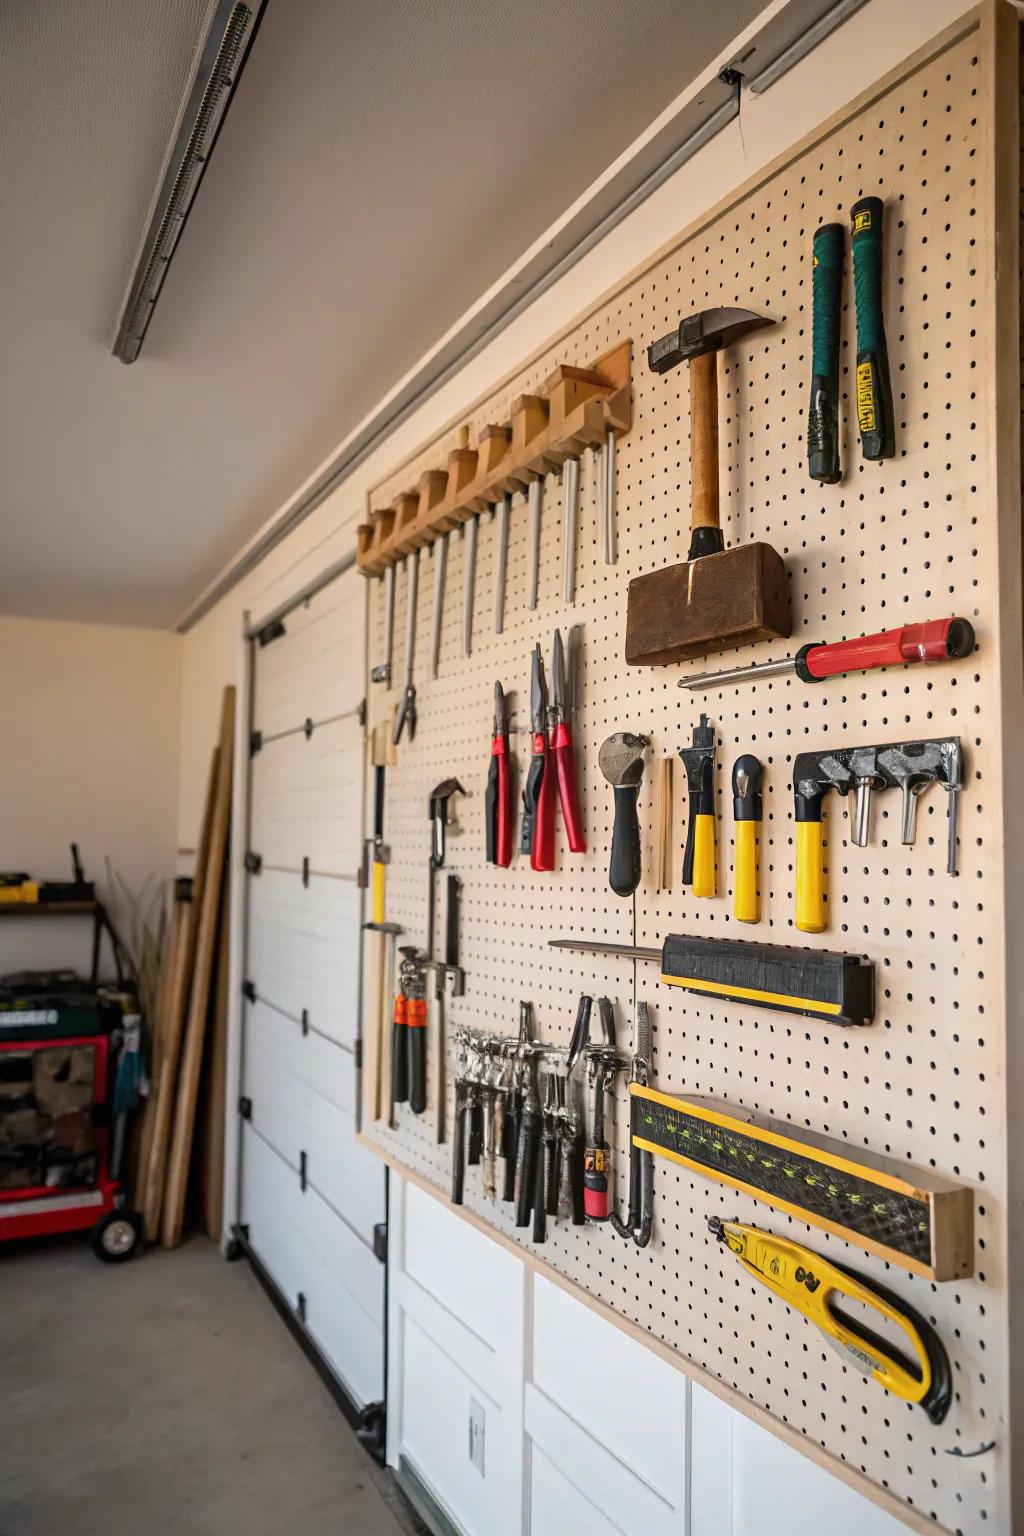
{"points": [[539, 1109]]}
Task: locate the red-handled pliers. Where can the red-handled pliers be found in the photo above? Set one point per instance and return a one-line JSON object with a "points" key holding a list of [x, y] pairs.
{"points": [[563, 699], [538, 837], [498, 801]]}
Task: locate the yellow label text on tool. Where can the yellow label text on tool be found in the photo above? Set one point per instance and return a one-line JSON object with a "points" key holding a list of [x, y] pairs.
{"points": [[862, 221], [865, 398]]}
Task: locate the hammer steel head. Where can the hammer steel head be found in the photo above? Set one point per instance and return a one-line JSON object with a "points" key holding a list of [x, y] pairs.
{"points": [[706, 331], [621, 758]]}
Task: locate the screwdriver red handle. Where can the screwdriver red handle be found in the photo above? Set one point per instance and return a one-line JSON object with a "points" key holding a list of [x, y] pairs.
{"points": [[503, 807], [938, 640], [568, 793], [542, 847]]}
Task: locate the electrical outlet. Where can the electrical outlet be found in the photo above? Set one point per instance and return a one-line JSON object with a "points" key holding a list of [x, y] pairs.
{"points": [[477, 1420]]}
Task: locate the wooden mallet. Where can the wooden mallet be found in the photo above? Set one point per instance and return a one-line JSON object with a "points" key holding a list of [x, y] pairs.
{"points": [[719, 597]]}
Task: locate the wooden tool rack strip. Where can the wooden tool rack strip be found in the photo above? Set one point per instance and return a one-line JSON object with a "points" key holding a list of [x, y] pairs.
{"points": [[576, 409]]}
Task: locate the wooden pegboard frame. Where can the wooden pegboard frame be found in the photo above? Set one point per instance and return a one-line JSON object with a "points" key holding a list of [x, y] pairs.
{"points": [[919, 536]]}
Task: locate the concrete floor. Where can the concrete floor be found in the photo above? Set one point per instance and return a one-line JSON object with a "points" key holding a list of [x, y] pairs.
{"points": [[166, 1396]]}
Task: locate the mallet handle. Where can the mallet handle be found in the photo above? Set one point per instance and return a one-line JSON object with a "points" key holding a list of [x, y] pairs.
{"points": [[704, 441]]}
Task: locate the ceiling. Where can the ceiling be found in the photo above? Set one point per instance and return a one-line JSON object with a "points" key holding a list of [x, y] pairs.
{"points": [[380, 166]]}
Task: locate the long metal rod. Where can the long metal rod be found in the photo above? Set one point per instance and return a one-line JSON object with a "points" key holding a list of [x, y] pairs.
{"points": [[802, 45], [608, 467], [411, 595], [465, 344], [501, 517], [389, 621], [536, 502], [757, 669], [470, 531], [596, 947], [440, 569], [571, 518]]}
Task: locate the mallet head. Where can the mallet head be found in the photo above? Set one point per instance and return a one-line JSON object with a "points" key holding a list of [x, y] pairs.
{"points": [[707, 331]]}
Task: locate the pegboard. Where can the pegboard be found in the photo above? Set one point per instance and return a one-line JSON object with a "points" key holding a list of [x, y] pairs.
{"points": [[909, 539]]}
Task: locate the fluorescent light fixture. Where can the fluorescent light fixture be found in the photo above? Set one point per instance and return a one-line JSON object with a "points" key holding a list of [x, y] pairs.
{"points": [[221, 61]]}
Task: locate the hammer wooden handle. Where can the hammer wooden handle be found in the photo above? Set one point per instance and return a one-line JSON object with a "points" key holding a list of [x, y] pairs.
{"points": [[704, 441]]}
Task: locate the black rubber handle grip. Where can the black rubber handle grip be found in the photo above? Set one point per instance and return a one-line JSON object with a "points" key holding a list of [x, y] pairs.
{"points": [[874, 389], [509, 1146], [476, 1133], [459, 1146], [826, 307], [399, 1065], [531, 794], [526, 1165], [451, 920], [624, 869], [642, 1233], [491, 812], [575, 1154], [551, 1175], [540, 1220], [417, 1041]]}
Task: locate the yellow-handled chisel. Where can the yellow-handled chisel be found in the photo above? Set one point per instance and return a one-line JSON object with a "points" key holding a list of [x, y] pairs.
{"points": [[815, 1286], [747, 810], [699, 867]]}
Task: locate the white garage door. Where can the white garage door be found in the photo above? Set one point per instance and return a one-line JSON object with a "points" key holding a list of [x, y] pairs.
{"points": [[310, 1196]]}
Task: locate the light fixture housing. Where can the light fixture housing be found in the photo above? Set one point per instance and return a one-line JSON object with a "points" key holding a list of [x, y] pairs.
{"points": [[221, 61]]}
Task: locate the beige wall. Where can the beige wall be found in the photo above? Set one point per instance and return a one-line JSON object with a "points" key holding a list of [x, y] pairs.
{"points": [[92, 751]]}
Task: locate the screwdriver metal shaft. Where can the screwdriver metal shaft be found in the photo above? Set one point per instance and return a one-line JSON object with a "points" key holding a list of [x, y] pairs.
{"points": [[536, 503]]}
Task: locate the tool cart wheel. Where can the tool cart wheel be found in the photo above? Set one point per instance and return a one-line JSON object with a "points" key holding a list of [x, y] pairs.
{"points": [[117, 1236]]}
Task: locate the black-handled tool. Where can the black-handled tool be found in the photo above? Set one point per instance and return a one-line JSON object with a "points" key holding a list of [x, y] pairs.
{"points": [[540, 1220], [639, 1221], [874, 389], [527, 1154], [621, 760], [826, 310], [699, 857], [459, 1143]]}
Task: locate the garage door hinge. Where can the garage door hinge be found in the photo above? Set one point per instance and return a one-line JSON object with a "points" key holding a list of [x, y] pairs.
{"points": [[305, 870], [307, 727], [361, 712], [270, 632], [357, 1054], [255, 742], [300, 1307], [302, 1172], [249, 991], [245, 1107], [253, 862], [305, 1021], [380, 1241]]}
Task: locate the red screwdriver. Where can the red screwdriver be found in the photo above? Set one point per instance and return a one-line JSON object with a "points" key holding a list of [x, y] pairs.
{"points": [[937, 640]]}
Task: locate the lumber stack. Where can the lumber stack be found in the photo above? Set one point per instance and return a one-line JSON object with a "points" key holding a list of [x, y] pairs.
{"points": [[189, 1030]]}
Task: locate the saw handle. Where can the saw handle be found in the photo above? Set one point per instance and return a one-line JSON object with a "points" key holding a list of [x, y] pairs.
{"points": [[704, 453], [936, 640], [624, 868]]}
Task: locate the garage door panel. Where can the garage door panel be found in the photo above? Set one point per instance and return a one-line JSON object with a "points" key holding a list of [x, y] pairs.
{"points": [[309, 671], [313, 1061], [303, 949], [306, 1250], [295, 1118], [306, 800], [314, 1233]]}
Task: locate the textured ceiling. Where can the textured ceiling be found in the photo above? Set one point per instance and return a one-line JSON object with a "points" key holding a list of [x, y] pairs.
{"points": [[380, 167]]}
